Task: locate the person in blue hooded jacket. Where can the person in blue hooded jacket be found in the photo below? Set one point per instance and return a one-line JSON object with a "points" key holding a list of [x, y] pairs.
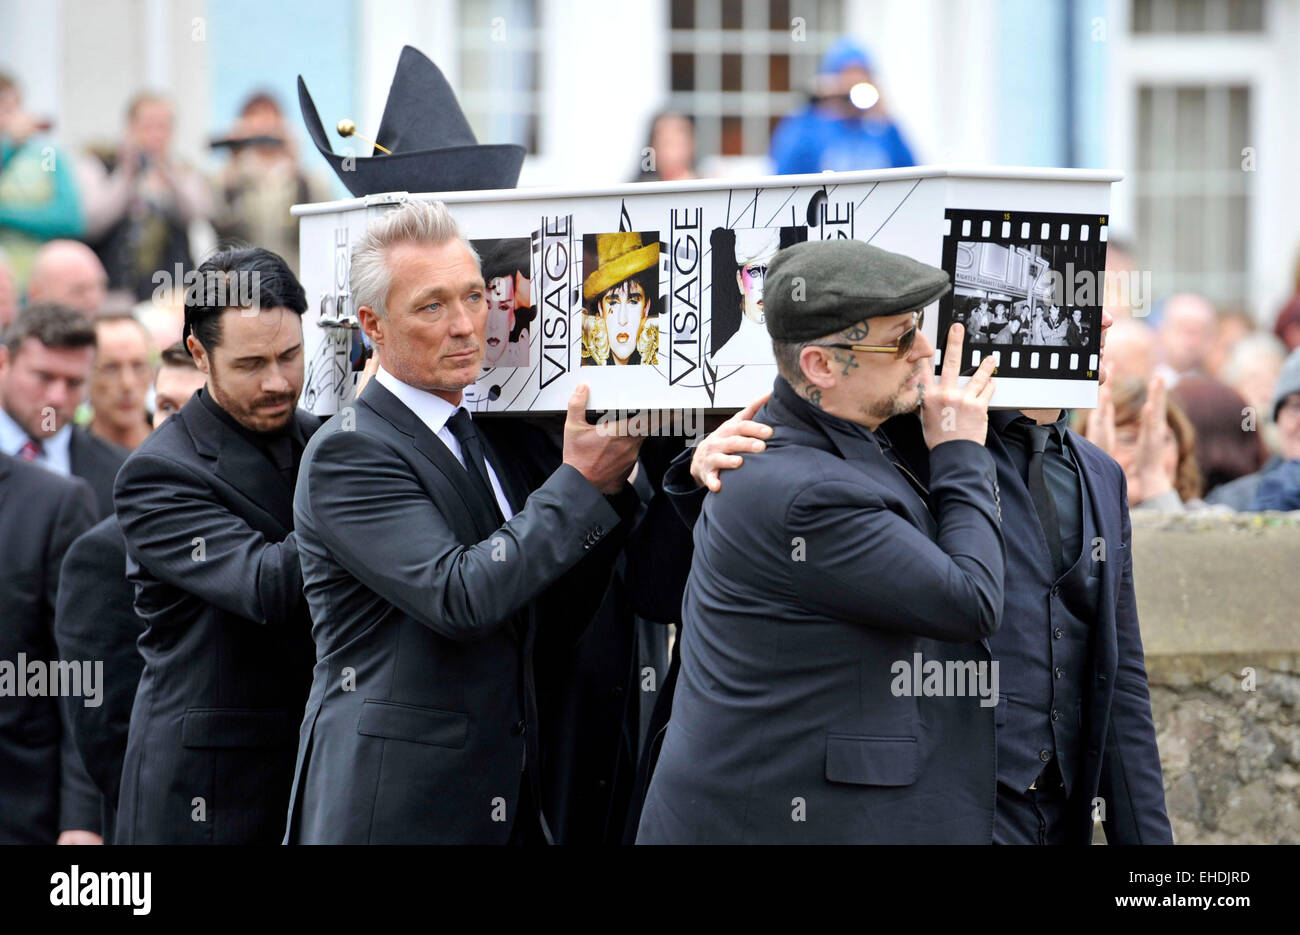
{"points": [[845, 126]]}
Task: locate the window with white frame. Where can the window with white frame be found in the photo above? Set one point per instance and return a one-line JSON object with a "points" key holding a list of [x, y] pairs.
{"points": [[1192, 198], [739, 66], [1193, 16], [499, 47], [1192, 184]]}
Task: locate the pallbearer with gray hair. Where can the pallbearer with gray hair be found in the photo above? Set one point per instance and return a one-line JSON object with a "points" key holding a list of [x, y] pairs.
{"points": [[437, 554]]}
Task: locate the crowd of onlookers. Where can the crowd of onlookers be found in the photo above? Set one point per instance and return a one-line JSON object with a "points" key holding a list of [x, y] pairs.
{"points": [[1202, 407], [108, 228]]}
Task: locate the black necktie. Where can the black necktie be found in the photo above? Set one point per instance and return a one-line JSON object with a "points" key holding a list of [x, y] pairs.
{"points": [[471, 448], [280, 450], [1044, 505]]}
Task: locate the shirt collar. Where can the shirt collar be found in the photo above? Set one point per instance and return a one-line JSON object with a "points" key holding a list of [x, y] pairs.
{"points": [[1003, 419], [429, 408], [260, 440], [12, 436], [57, 448]]}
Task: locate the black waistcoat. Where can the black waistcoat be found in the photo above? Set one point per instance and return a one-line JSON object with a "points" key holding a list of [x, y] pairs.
{"points": [[1043, 646]]}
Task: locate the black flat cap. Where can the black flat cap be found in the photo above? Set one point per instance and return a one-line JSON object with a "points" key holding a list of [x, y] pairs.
{"points": [[817, 288], [433, 147]]}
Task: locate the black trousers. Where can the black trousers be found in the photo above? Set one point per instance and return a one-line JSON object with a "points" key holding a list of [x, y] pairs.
{"points": [[527, 829], [1034, 816]]}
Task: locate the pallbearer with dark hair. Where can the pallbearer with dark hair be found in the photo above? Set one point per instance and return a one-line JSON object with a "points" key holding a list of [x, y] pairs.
{"points": [[205, 504]]}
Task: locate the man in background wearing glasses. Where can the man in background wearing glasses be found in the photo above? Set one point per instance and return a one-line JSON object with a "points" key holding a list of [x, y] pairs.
{"points": [[820, 570]]}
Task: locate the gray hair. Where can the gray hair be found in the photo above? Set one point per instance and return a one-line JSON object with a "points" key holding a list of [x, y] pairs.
{"points": [[423, 222], [1249, 352]]}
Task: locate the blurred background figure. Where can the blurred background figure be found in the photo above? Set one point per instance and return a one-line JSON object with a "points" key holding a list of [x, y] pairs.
{"points": [[141, 203], [68, 273], [1131, 350], [39, 199], [45, 366], [669, 153], [163, 317], [1187, 332], [1228, 443], [1153, 441], [1279, 489], [8, 292], [262, 180], [1287, 324], [1252, 368], [1284, 410], [1120, 287], [178, 379], [1231, 326], [846, 124], [120, 379]]}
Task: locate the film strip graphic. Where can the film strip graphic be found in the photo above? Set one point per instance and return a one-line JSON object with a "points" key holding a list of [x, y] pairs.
{"points": [[1027, 286]]}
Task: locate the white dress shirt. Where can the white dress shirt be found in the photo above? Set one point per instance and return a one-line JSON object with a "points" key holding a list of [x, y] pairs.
{"points": [[56, 451], [434, 411]]}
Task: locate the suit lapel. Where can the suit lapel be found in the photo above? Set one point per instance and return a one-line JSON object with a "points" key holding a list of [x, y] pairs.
{"points": [[477, 518], [239, 463], [6, 462], [1106, 653], [866, 455]]}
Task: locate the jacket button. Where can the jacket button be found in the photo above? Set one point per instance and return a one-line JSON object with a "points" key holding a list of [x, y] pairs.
{"points": [[1044, 755], [1058, 671], [1101, 678], [1058, 633], [1056, 589], [519, 728], [1056, 715]]}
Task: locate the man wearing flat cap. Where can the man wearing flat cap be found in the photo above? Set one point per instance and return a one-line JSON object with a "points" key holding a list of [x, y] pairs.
{"points": [[1076, 745], [822, 586]]}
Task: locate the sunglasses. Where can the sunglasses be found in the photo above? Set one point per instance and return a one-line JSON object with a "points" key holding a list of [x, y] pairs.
{"points": [[901, 349]]}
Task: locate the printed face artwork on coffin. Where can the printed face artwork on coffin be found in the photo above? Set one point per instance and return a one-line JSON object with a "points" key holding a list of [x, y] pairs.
{"points": [[501, 317], [754, 251], [620, 322], [506, 265]]}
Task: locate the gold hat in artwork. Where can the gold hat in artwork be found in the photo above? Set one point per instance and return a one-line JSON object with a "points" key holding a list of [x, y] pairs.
{"points": [[618, 256]]}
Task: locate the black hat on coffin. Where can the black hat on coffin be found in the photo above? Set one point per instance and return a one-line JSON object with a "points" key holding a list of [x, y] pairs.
{"points": [[434, 149]]}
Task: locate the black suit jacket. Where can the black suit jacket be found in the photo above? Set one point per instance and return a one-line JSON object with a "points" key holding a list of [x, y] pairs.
{"points": [[422, 711], [817, 569], [96, 619], [1121, 763], [97, 462], [41, 513], [227, 638]]}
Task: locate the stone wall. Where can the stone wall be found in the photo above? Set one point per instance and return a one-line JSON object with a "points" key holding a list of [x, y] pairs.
{"points": [[1219, 605]]}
